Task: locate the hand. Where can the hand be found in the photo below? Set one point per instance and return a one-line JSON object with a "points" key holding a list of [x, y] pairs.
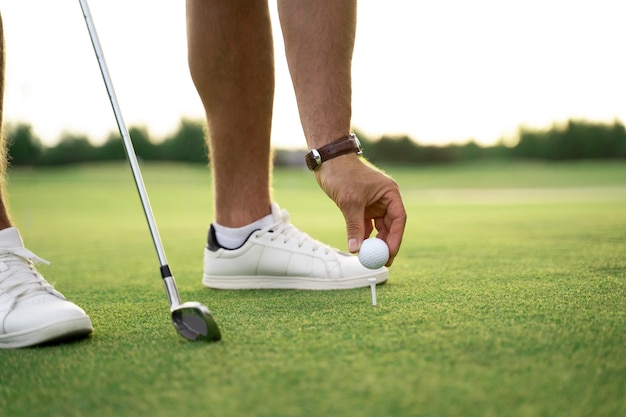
{"points": [[367, 198]]}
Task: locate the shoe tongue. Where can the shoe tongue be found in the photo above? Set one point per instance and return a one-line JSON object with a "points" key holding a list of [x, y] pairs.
{"points": [[10, 238], [277, 214]]}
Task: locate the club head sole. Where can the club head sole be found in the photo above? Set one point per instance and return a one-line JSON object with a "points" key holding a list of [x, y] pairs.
{"points": [[194, 322]]}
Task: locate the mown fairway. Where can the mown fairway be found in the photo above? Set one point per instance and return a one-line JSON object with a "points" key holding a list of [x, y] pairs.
{"points": [[508, 299]]}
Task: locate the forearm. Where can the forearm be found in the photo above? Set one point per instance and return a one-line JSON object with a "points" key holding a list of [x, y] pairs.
{"points": [[319, 42]]}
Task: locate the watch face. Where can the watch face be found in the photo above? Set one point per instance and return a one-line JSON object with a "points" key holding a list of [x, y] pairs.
{"points": [[313, 159]]}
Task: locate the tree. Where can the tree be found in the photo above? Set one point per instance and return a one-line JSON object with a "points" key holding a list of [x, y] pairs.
{"points": [[186, 144], [71, 149], [24, 148], [575, 140], [113, 148]]}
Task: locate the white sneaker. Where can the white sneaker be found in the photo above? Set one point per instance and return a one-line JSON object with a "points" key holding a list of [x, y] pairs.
{"points": [[281, 256], [31, 310]]}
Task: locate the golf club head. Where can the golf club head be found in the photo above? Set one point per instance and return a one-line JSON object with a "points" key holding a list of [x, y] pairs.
{"points": [[195, 322]]}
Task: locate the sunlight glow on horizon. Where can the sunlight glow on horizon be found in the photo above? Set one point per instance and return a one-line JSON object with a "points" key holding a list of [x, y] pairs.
{"points": [[438, 72]]}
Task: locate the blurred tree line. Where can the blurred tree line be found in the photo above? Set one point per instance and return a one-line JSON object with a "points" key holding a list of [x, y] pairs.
{"points": [[186, 144], [573, 140]]}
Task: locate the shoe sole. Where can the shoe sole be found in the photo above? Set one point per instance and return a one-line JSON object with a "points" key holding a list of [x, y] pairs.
{"points": [[55, 332], [288, 283]]}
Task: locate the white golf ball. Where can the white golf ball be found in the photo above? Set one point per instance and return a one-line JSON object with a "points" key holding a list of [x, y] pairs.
{"points": [[374, 253]]}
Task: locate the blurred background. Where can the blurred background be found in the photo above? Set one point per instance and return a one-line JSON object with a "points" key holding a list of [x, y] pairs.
{"points": [[433, 81]]}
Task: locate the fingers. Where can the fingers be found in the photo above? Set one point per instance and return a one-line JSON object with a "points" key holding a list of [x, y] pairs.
{"points": [[391, 223], [391, 228], [368, 199], [356, 228]]}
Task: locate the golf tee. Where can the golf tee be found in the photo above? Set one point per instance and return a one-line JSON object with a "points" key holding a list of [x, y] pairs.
{"points": [[372, 282]]}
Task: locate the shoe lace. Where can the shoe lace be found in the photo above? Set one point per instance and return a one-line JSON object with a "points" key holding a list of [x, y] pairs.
{"points": [[286, 231], [18, 275]]}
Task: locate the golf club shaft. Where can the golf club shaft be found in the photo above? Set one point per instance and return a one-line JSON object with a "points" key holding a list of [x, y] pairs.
{"points": [[168, 279]]}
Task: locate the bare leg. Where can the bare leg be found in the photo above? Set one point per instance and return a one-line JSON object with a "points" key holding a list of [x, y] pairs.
{"points": [[231, 61], [4, 216], [319, 41]]}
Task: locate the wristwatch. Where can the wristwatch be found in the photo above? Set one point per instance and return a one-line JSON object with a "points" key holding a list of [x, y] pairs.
{"points": [[343, 146]]}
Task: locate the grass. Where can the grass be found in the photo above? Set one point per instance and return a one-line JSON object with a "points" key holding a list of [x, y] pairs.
{"points": [[508, 299]]}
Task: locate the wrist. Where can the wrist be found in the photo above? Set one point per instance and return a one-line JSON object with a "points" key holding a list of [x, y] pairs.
{"points": [[343, 166], [344, 146]]}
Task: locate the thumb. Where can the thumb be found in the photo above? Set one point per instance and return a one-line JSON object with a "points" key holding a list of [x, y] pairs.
{"points": [[354, 228]]}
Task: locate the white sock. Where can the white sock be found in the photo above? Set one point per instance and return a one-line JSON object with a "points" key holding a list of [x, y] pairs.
{"points": [[234, 237]]}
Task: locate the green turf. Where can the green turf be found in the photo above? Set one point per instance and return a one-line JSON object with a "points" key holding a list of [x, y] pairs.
{"points": [[508, 299]]}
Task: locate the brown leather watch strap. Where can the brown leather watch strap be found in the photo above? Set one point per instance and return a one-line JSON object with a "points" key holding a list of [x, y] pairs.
{"points": [[343, 146]]}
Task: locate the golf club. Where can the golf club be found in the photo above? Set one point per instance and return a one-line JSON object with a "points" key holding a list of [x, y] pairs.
{"points": [[192, 319]]}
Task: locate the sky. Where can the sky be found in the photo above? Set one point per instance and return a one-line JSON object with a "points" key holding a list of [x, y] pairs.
{"points": [[438, 71]]}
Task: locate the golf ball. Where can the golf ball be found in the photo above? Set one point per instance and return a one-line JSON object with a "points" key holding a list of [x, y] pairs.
{"points": [[374, 253]]}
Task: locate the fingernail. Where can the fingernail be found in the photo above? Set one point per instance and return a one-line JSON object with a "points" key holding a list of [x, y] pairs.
{"points": [[353, 245]]}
